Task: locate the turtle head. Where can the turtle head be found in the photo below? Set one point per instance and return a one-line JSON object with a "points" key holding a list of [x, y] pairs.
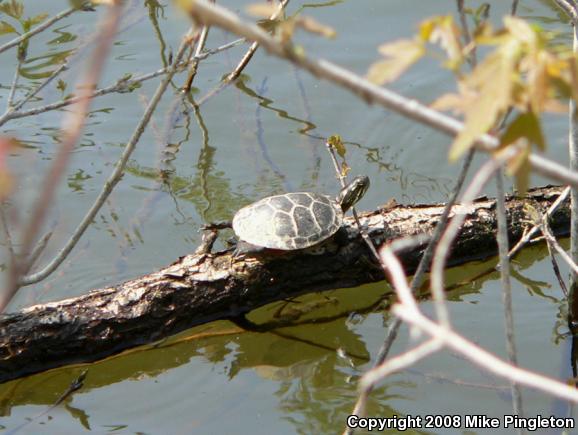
{"points": [[353, 192]]}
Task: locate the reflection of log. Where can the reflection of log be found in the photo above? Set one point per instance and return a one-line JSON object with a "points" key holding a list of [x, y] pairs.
{"points": [[199, 288]]}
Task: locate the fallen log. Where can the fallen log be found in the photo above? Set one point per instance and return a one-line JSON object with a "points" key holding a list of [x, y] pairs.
{"points": [[203, 287]]}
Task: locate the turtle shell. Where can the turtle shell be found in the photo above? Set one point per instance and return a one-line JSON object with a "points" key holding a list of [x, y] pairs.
{"points": [[290, 221]]}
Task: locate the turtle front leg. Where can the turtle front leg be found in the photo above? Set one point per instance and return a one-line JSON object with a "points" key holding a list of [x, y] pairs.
{"points": [[210, 232], [247, 249], [208, 240], [222, 225]]}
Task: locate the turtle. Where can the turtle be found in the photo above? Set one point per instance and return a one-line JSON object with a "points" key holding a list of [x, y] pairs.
{"points": [[293, 221]]}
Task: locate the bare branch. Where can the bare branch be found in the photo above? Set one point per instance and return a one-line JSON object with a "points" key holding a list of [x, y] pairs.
{"points": [[502, 237], [341, 177], [569, 8], [74, 124], [371, 378], [40, 28], [114, 177], [555, 266], [251, 51], [444, 245], [573, 157], [35, 92], [208, 13], [467, 35], [514, 9], [554, 244], [485, 359], [121, 85], [528, 235], [199, 47], [12, 92]]}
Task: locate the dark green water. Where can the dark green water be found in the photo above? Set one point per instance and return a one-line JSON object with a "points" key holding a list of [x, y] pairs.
{"points": [[261, 137]]}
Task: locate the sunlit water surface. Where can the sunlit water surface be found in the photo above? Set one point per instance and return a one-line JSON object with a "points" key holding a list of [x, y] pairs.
{"points": [[261, 137]]}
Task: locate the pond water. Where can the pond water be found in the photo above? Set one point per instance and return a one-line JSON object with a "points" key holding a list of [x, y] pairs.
{"points": [[263, 136]]}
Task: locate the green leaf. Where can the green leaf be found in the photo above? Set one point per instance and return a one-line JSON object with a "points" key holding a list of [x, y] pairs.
{"points": [[520, 167], [61, 85], [6, 28], [526, 125], [77, 4], [13, 9], [31, 22], [336, 143]]}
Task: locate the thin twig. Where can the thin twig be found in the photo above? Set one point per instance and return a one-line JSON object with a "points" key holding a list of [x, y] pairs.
{"points": [[45, 25], [445, 243], [569, 7], [528, 234], [554, 244], [74, 123], [555, 267], [199, 47], [514, 9], [208, 13], [471, 351], [502, 237], [121, 85], [35, 92], [74, 386], [114, 177], [485, 359], [38, 249], [371, 378], [254, 46], [341, 177], [472, 58], [408, 310], [14, 85], [425, 261]]}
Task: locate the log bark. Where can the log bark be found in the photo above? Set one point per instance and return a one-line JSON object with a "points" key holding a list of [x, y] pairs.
{"points": [[203, 287]]}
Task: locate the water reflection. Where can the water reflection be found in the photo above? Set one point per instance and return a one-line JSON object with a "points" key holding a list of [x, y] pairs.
{"points": [[297, 348], [295, 352]]}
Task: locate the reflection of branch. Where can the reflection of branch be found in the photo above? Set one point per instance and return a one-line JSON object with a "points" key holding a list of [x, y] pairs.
{"points": [[122, 85], [205, 160], [208, 13], [72, 131], [114, 177], [74, 386], [45, 25], [194, 65], [153, 6]]}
